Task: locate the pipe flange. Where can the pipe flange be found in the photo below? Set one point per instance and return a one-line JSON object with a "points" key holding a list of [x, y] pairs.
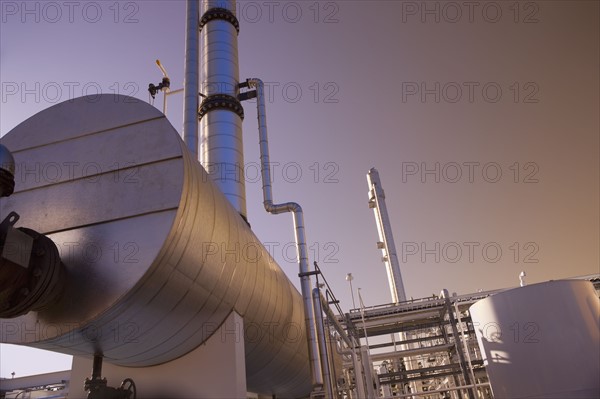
{"points": [[7, 183], [7, 172], [219, 13], [35, 286], [220, 101]]}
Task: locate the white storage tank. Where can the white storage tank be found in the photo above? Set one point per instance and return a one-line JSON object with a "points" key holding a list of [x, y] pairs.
{"points": [[541, 340]]}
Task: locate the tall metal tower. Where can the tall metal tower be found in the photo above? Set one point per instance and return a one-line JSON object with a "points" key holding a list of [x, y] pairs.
{"points": [[386, 238]]}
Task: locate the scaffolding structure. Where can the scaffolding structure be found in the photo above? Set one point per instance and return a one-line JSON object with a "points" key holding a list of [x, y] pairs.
{"points": [[424, 347]]}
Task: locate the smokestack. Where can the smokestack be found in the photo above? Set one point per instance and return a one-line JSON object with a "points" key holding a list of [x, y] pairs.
{"points": [[221, 113]]}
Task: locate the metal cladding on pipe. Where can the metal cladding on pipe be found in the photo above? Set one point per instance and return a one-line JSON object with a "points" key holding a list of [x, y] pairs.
{"points": [[335, 355], [316, 294], [192, 78], [221, 113], [300, 235], [156, 258], [352, 343]]}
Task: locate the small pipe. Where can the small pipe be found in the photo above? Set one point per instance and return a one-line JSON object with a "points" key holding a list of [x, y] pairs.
{"points": [[316, 293], [360, 387], [166, 94], [368, 370], [97, 367], [336, 324], [192, 77], [162, 69], [299, 232], [332, 341]]}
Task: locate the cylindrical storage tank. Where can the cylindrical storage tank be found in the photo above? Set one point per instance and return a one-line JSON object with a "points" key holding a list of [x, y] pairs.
{"points": [[541, 340], [156, 258]]}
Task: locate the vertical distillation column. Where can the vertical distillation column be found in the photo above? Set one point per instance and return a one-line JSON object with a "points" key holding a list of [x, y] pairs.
{"points": [[386, 239], [221, 113]]}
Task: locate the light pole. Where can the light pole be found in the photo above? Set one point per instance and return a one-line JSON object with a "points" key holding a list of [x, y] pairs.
{"points": [[349, 279], [522, 278]]}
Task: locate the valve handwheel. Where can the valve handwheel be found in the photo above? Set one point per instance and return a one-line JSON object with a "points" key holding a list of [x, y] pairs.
{"points": [[129, 387]]}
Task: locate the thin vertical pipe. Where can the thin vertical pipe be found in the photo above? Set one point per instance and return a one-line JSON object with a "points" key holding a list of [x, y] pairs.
{"points": [[192, 77]]}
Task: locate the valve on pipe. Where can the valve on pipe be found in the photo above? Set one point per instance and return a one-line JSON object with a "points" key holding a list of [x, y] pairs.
{"points": [[31, 272], [163, 85], [97, 387]]}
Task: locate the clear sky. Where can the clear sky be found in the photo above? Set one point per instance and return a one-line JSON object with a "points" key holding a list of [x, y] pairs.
{"points": [[481, 117]]}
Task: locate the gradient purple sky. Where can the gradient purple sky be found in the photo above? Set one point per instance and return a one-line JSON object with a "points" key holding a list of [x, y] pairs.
{"points": [[353, 87]]}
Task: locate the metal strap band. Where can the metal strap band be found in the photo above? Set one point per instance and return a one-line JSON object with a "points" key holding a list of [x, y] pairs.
{"points": [[220, 101], [219, 13]]}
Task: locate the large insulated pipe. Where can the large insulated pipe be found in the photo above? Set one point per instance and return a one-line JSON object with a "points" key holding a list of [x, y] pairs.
{"points": [[192, 78], [156, 257], [221, 112], [301, 247]]}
